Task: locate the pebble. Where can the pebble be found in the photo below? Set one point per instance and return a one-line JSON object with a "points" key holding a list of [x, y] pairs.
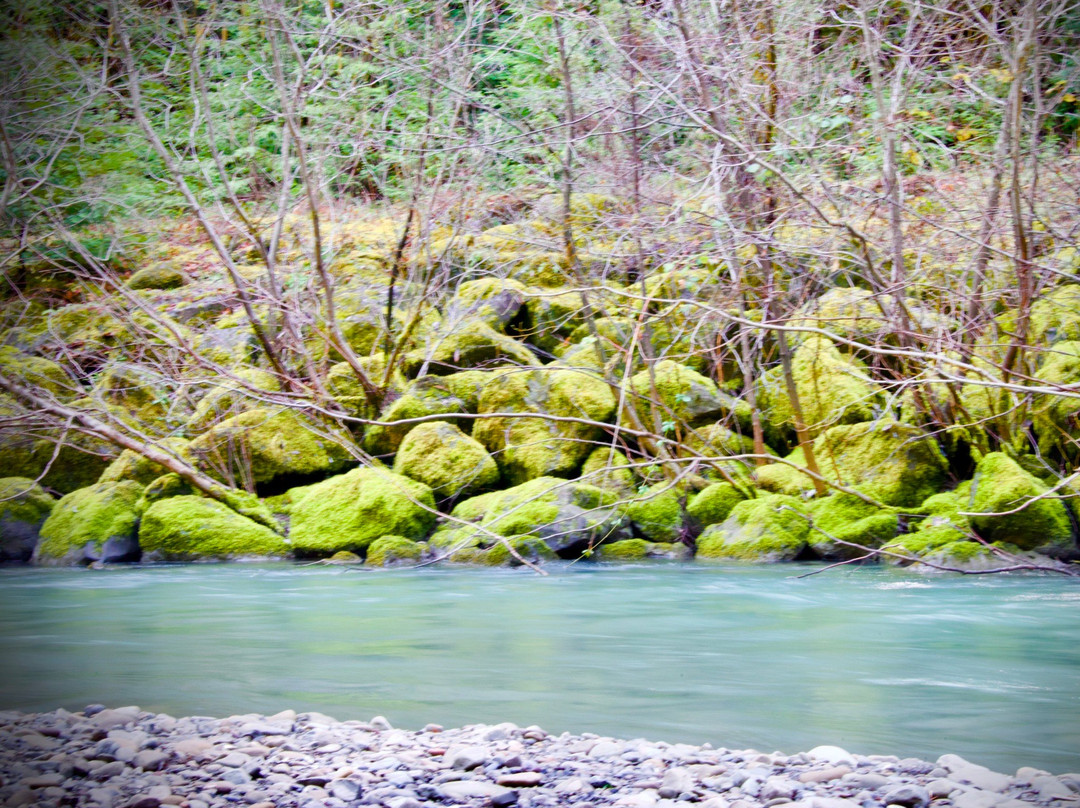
{"points": [[126, 758]]}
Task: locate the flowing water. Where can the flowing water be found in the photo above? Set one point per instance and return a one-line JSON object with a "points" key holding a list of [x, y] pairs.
{"points": [[874, 660]]}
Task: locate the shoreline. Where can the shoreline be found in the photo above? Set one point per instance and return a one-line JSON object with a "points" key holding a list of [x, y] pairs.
{"points": [[127, 758]]}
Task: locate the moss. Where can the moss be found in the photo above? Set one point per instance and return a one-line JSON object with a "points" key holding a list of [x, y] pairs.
{"points": [[857, 314], [85, 521], [769, 528], [944, 509], [894, 463], [553, 315], [625, 550], [134, 466], [527, 448], [846, 518], [351, 510], [445, 459], [586, 209], [658, 514], [609, 469], [230, 398], [1000, 484], [781, 478], [832, 390], [570, 517], [470, 345], [714, 504], [157, 277], [1055, 417], [344, 557], [386, 551], [261, 445], [36, 373], [466, 386], [429, 395], [188, 528], [163, 487], [682, 395], [531, 548], [476, 508], [142, 398], [924, 541], [1055, 317], [24, 506], [494, 301]]}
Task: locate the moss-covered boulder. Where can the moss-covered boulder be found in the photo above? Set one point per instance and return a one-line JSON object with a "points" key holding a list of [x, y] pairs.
{"points": [[494, 301], [160, 276], [675, 394], [640, 550], [713, 504], [428, 395], [98, 523], [843, 520], [24, 506], [530, 548], [571, 517], [350, 511], [344, 385], [142, 397], [831, 388], [445, 459], [471, 345], [1056, 418], [386, 551], [552, 315], [232, 397], [263, 445], [37, 374], [134, 466], [892, 462], [190, 528], [864, 316], [528, 448], [1001, 485], [610, 469], [766, 529], [658, 514], [163, 487]]}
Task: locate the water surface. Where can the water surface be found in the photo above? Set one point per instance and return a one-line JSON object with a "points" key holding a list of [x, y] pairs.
{"points": [[874, 660]]}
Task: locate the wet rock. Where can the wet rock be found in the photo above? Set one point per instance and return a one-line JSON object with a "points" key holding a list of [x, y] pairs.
{"points": [[910, 795]]}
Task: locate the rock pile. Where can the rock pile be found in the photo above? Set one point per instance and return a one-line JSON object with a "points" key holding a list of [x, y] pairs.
{"points": [[128, 758]]}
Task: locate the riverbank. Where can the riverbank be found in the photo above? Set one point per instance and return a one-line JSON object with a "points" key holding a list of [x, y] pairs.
{"points": [[127, 758]]}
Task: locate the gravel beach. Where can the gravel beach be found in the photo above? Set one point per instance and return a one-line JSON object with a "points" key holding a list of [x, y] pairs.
{"points": [[128, 758]]}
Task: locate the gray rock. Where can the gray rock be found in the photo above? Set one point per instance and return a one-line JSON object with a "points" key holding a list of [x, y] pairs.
{"points": [[676, 781], [832, 754], [977, 798], [778, 788], [868, 780], [347, 790], [150, 760], [825, 775], [465, 790], [466, 757], [1051, 788], [910, 795]]}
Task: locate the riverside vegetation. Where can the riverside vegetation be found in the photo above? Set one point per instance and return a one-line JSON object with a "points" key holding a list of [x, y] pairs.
{"points": [[488, 283]]}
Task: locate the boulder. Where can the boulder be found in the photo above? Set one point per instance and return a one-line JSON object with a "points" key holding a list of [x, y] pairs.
{"points": [[343, 384], [232, 397], [470, 345], [386, 551], [843, 518], [264, 445], [1056, 418], [682, 396], [141, 397], [1000, 484], [445, 459], [713, 504], [24, 506], [429, 395], [769, 528], [658, 513], [350, 511], [496, 302], [832, 390], [609, 469], [160, 276], [570, 517], [528, 448], [40, 375], [189, 528], [134, 466], [892, 462], [97, 523], [639, 550]]}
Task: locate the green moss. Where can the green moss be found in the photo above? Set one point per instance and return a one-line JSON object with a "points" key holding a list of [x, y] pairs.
{"points": [[714, 504], [36, 373], [351, 510], [386, 551], [161, 276], [857, 314], [527, 448], [832, 390], [1000, 484], [470, 345], [625, 550], [430, 395], [344, 557], [609, 469], [769, 528], [231, 398], [90, 516], [924, 541], [846, 518], [1055, 317], [261, 445], [188, 528], [658, 514], [134, 466], [24, 506], [445, 459], [142, 398], [553, 315], [494, 301], [1055, 416], [682, 395], [531, 548], [476, 508]]}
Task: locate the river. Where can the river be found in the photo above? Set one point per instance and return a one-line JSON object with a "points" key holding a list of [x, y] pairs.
{"points": [[874, 660]]}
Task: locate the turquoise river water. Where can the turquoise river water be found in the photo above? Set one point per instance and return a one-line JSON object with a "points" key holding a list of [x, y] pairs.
{"points": [[874, 660]]}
